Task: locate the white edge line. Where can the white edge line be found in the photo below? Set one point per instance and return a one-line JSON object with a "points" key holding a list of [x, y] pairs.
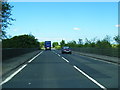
{"points": [[35, 57], [101, 60], [101, 86], [12, 75], [105, 61], [16, 72]]}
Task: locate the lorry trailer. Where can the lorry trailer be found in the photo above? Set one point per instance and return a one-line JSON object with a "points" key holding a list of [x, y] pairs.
{"points": [[47, 45]]}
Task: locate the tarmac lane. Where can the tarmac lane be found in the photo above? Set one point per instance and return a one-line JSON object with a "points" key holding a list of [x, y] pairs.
{"points": [[51, 69]]}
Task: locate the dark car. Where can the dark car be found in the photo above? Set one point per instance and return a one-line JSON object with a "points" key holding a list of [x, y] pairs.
{"points": [[66, 49]]}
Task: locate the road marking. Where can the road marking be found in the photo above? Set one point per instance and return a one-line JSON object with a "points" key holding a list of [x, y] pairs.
{"points": [[65, 59], [106, 61], [12, 75], [62, 57], [93, 58], [58, 55], [54, 52], [35, 57], [16, 72], [101, 86]]}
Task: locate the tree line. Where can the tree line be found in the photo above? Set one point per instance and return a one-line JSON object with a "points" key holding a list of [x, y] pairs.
{"points": [[104, 43], [21, 41], [29, 41]]}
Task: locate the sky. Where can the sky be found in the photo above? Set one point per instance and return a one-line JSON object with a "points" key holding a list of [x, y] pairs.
{"points": [[55, 21], [63, 0]]}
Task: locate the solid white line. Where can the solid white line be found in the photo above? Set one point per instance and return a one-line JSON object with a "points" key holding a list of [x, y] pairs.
{"points": [[16, 72], [105, 61], [35, 57], [101, 60], [65, 59], [101, 86], [12, 75]]}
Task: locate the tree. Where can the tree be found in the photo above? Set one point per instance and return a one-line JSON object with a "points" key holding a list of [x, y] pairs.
{"points": [[87, 43], [42, 44], [117, 39], [72, 43], [80, 41], [55, 44], [107, 38], [62, 43], [103, 44], [5, 17], [21, 41]]}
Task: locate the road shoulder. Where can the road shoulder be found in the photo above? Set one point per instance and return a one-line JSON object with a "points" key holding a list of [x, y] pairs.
{"points": [[13, 63], [102, 57]]}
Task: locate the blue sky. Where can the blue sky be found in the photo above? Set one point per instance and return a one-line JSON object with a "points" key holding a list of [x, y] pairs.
{"points": [[63, 0], [65, 20]]}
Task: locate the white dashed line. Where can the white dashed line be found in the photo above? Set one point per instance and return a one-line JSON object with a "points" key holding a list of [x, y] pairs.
{"points": [[16, 72], [58, 55], [62, 57], [55, 52], [101, 86], [65, 59]]}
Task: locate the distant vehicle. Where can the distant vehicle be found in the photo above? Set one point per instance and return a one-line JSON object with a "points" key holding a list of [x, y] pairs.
{"points": [[66, 49], [47, 45]]}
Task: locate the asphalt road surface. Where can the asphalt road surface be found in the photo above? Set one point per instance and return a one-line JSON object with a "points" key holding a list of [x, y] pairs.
{"points": [[51, 69]]}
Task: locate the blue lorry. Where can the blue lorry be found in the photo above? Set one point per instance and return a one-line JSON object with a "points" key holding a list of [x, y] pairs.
{"points": [[47, 45]]}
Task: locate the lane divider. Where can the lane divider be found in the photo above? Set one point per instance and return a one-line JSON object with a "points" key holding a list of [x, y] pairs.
{"points": [[58, 55], [65, 59], [20, 69], [62, 57], [90, 78], [93, 80]]}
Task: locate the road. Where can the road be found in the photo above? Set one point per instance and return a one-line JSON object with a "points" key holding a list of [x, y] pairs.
{"points": [[51, 69]]}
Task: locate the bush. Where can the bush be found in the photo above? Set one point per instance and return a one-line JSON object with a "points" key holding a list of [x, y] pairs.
{"points": [[58, 47], [22, 41]]}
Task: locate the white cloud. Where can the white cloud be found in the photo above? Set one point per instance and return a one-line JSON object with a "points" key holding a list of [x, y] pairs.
{"points": [[76, 28], [15, 29], [117, 25]]}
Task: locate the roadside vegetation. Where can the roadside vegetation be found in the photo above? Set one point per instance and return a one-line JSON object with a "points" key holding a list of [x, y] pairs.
{"points": [[104, 43], [5, 18], [21, 41], [95, 46]]}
